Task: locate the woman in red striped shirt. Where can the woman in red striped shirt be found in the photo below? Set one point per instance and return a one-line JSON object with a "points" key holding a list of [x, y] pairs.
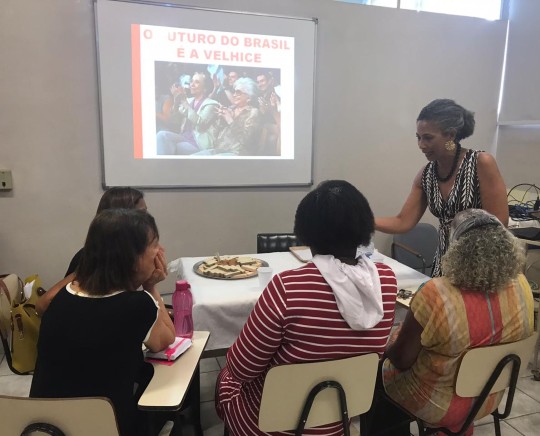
{"points": [[336, 306]]}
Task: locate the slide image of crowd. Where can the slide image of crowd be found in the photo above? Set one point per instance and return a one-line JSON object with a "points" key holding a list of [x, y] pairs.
{"points": [[217, 110]]}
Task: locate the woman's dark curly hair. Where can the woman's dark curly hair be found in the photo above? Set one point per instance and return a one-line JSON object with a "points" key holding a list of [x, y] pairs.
{"points": [[333, 217]]}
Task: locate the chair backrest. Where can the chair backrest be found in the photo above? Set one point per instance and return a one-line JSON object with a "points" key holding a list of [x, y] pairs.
{"points": [[73, 416], [423, 239], [286, 388], [270, 242], [478, 364]]}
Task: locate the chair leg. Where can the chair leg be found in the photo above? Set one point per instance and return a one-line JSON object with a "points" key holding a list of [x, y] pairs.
{"points": [[177, 429], [536, 356], [364, 424], [156, 420], [421, 428], [193, 403], [196, 402], [497, 423], [385, 418]]}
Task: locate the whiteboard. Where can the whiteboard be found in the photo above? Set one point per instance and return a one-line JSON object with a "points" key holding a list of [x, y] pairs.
{"points": [[143, 48]]}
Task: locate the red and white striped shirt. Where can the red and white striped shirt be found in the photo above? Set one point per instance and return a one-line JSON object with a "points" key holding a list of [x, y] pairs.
{"points": [[296, 319]]}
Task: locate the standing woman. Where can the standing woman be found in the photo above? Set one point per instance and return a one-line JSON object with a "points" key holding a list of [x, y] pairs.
{"points": [[454, 179], [91, 336]]}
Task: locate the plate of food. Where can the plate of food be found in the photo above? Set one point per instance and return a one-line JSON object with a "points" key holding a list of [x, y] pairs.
{"points": [[228, 267]]}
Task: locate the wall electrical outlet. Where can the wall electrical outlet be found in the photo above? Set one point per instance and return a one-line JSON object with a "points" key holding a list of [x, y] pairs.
{"points": [[6, 182]]}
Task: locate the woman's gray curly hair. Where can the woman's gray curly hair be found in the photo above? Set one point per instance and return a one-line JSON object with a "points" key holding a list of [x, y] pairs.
{"points": [[485, 256], [247, 86]]}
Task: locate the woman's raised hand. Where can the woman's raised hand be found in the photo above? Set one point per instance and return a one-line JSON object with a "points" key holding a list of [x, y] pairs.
{"points": [[226, 114], [160, 272], [178, 92]]}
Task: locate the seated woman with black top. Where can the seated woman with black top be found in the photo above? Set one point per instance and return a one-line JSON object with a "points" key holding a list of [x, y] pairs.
{"points": [[112, 198], [91, 336]]}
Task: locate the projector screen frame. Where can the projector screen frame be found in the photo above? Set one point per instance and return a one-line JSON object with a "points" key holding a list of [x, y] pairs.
{"points": [[244, 171]]}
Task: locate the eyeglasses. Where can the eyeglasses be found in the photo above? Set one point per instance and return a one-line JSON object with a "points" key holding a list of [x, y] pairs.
{"points": [[238, 92]]}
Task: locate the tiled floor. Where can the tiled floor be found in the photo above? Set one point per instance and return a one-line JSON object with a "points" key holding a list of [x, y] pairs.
{"points": [[524, 419]]}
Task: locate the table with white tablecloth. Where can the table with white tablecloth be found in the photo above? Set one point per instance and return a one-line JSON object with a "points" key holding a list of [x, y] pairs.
{"points": [[223, 306]]}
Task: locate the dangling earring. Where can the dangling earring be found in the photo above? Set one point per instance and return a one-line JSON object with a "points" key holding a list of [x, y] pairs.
{"points": [[450, 145]]}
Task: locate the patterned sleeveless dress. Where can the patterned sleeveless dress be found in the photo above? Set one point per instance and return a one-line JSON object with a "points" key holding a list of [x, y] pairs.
{"points": [[465, 194]]}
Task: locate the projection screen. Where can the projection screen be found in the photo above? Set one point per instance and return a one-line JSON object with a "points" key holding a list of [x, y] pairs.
{"points": [[204, 98]]}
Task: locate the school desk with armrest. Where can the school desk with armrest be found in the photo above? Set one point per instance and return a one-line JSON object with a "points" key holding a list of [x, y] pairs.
{"points": [[170, 385]]}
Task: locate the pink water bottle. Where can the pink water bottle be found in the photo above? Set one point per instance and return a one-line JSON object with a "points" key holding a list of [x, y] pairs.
{"points": [[183, 309]]}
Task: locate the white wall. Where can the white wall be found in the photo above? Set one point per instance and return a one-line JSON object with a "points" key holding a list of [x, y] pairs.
{"points": [[518, 144], [518, 154], [521, 97], [376, 68]]}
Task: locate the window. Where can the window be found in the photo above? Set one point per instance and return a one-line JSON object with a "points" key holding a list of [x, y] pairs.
{"points": [[488, 9], [385, 3]]}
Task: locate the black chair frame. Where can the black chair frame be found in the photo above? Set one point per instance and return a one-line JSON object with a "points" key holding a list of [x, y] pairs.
{"points": [[417, 247], [42, 427], [309, 403], [511, 359], [399, 245], [271, 242]]}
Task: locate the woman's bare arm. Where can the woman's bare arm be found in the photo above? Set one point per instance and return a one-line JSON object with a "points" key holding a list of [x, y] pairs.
{"points": [[44, 301], [404, 351], [163, 333], [410, 213]]}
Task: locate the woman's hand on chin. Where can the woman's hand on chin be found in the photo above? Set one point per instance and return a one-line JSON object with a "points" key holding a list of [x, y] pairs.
{"points": [[159, 274]]}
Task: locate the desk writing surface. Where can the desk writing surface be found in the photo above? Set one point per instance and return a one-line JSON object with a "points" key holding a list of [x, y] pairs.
{"points": [[529, 242], [169, 385], [514, 224], [407, 278]]}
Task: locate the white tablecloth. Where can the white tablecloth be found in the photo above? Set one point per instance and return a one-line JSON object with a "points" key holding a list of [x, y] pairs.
{"points": [[223, 306]]}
